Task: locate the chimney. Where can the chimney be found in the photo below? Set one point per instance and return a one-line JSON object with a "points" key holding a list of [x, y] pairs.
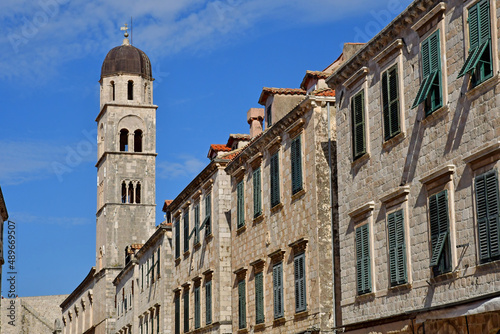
{"points": [[255, 117]]}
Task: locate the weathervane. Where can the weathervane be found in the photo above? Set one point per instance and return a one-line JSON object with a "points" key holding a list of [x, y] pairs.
{"points": [[125, 40]]}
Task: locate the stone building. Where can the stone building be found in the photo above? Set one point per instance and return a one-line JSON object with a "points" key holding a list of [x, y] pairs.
{"points": [[143, 298], [417, 141], [201, 282], [125, 176], [283, 209]]}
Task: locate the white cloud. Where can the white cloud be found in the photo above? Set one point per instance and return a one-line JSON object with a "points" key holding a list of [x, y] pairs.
{"points": [[187, 167]]}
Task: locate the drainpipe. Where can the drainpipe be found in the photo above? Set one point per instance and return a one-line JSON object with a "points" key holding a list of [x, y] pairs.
{"points": [[331, 210]]}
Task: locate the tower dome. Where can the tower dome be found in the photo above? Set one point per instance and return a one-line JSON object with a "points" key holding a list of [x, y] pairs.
{"points": [[126, 59]]}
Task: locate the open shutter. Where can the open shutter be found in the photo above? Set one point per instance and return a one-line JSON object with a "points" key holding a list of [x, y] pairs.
{"points": [[153, 264], [242, 304], [196, 224], [363, 260], [259, 298], [208, 302], [208, 214], [257, 207], [358, 124], [158, 262], [390, 98], [438, 213]]}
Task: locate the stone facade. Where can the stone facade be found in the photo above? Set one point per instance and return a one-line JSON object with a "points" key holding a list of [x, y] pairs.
{"points": [[78, 309], [390, 178]]}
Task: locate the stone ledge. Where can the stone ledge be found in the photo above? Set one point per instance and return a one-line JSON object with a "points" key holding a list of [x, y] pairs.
{"points": [[480, 89], [298, 195], [393, 141], [277, 208], [259, 218]]}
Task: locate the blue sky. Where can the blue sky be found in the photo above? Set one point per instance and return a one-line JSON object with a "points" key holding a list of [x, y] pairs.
{"points": [[210, 60]]}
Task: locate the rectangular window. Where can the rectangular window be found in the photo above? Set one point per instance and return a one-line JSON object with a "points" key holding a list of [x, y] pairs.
{"points": [[152, 323], [390, 99], [157, 262], [242, 305], [208, 213], [177, 302], [197, 224], [397, 248], [259, 298], [158, 320], [363, 260], [177, 239], [269, 116], [487, 216], [142, 276], [275, 180], [257, 193], [430, 87], [358, 124], [197, 306], [186, 311], [148, 268], [479, 63], [296, 152], [299, 263], [240, 204], [141, 330], [153, 263], [208, 302], [146, 325], [440, 236], [278, 290], [186, 231]]}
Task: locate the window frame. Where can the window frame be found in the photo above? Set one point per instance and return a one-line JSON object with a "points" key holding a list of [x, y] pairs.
{"points": [[388, 115], [278, 291], [398, 269], [363, 260], [274, 172], [240, 204], [440, 237], [299, 267], [296, 164], [257, 192], [358, 127]]}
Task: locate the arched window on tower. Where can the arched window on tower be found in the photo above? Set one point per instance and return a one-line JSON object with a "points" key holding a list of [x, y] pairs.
{"points": [[145, 93], [124, 192], [113, 91], [138, 193], [123, 140], [130, 90], [130, 193], [138, 141]]}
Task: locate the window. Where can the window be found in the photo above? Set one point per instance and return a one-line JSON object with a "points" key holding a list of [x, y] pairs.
{"points": [[158, 320], [397, 249], [300, 282], [142, 276], [138, 141], [177, 239], [259, 298], [487, 216], [157, 262], [479, 63], [296, 152], [153, 263], [257, 194], [146, 325], [186, 231], [430, 87], [275, 180], [440, 236], [130, 90], [152, 323], [358, 124], [177, 320], [197, 311], [196, 224], [140, 327], [130, 192], [208, 302], [240, 204], [138, 193], [363, 260], [186, 311], [124, 192], [242, 317], [390, 99], [269, 120], [113, 90], [278, 290], [208, 211], [123, 140]]}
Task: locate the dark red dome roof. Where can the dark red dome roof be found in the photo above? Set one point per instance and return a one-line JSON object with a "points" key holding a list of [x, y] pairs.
{"points": [[126, 59]]}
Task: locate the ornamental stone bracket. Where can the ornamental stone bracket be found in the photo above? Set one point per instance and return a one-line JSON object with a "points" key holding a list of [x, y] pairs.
{"points": [[299, 246], [277, 256]]}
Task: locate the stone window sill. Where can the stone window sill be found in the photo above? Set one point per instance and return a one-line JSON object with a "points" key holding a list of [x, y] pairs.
{"points": [[258, 219], [437, 114], [301, 314], [279, 321], [259, 327], [360, 160], [242, 330], [186, 253], [391, 142], [400, 287], [277, 208], [177, 261], [365, 297], [473, 93], [241, 229], [209, 237], [298, 195], [443, 278], [197, 245]]}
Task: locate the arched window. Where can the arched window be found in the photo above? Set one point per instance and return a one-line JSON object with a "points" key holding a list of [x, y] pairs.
{"points": [[130, 90], [145, 92], [123, 140], [124, 192], [113, 92], [130, 193], [138, 141], [138, 193]]}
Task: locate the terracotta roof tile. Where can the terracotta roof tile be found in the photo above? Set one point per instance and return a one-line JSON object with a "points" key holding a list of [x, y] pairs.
{"points": [[220, 148], [166, 204], [230, 156], [136, 246], [313, 75], [267, 91], [326, 92]]}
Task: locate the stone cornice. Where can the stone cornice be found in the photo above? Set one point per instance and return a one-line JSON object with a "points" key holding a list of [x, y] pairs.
{"points": [[82, 287], [105, 154], [123, 105]]}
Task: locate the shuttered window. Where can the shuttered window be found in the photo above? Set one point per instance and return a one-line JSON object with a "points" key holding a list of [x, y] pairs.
{"points": [[242, 305], [158, 262], [440, 235], [300, 282], [240, 194], [269, 120], [478, 62], [152, 270], [488, 216], [196, 224], [257, 193], [358, 124], [197, 306], [278, 290], [363, 260], [177, 302], [390, 100], [208, 302], [158, 320], [186, 311], [177, 239], [430, 88], [275, 180], [296, 153], [186, 231], [397, 248], [259, 298], [207, 223]]}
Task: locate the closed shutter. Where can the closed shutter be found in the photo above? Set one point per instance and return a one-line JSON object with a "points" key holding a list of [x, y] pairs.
{"points": [[186, 311], [257, 203], [363, 260], [153, 264], [439, 223], [278, 290], [158, 262], [186, 231], [242, 305], [142, 276], [397, 250], [390, 97], [197, 311], [300, 283], [275, 180], [358, 124], [296, 152], [208, 302], [177, 239], [488, 216], [197, 223], [259, 298], [158, 320], [241, 204], [177, 315], [208, 214]]}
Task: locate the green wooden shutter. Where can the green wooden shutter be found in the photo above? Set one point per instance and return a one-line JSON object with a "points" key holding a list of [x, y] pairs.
{"points": [[358, 124], [197, 311], [158, 320], [153, 264], [241, 204], [242, 322], [278, 290], [158, 262], [186, 231], [296, 152], [363, 260], [259, 298], [275, 180], [186, 311], [197, 223], [300, 283], [439, 223], [142, 277], [177, 320], [208, 214], [390, 98], [147, 272], [397, 248], [177, 239], [488, 216], [257, 203], [208, 302]]}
